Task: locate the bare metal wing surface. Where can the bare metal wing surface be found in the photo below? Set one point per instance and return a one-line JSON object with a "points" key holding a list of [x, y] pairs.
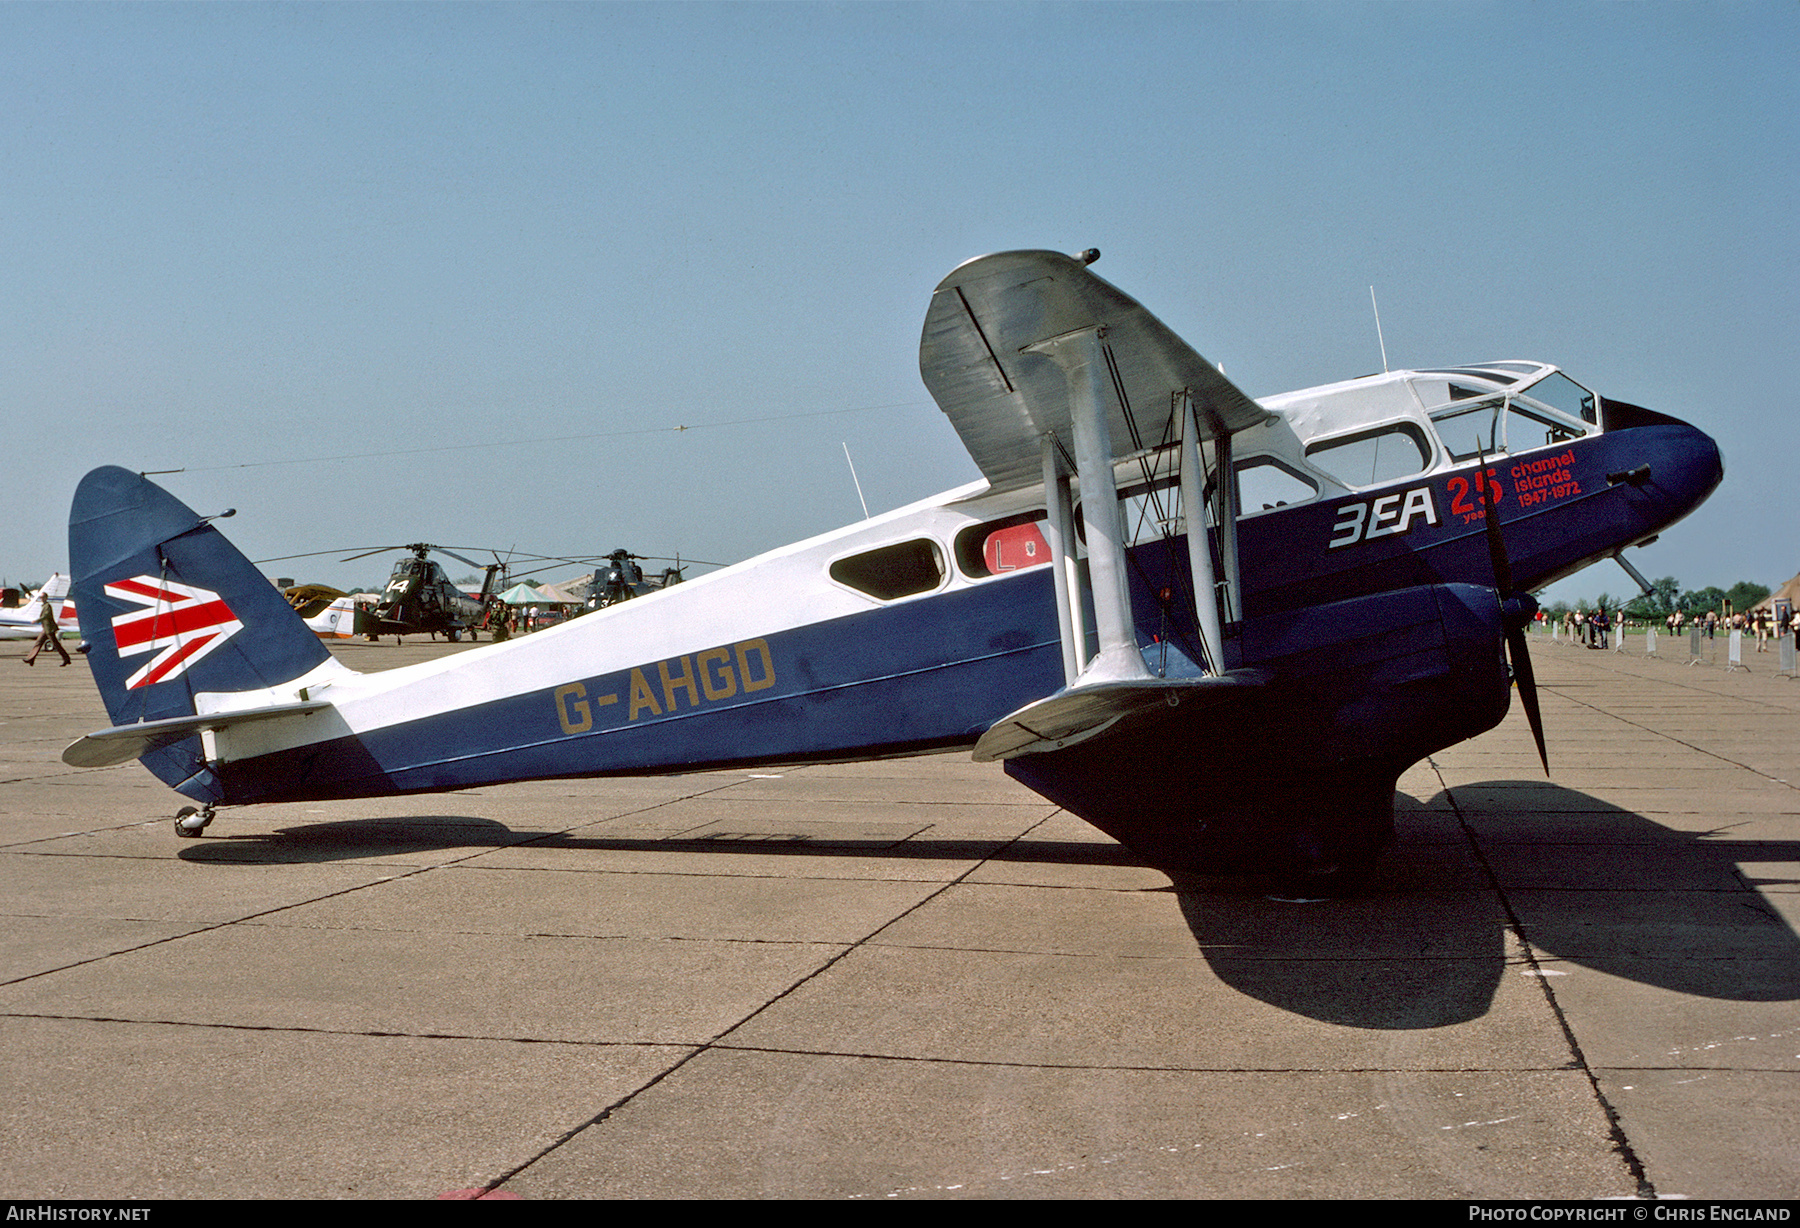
{"points": [[982, 357]]}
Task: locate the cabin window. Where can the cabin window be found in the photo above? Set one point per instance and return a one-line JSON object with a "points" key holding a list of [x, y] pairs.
{"points": [[1148, 511], [1016, 543], [1265, 484], [1470, 432], [899, 570], [1152, 510], [1372, 458]]}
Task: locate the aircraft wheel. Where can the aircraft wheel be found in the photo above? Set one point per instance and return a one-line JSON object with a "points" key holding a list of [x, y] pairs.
{"points": [[1335, 883], [190, 821], [1334, 858], [453, 635]]}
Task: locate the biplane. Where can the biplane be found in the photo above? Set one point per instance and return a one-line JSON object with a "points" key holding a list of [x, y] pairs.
{"points": [[1216, 628]]}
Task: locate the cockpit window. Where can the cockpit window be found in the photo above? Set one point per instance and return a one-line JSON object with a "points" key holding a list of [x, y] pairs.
{"points": [[1526, 429], [1498, 426], [1558, 391], [1370, 458], [1436, 391]]}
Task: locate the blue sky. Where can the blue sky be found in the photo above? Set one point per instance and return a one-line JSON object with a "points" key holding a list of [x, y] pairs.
{"points": [[456, 273]]}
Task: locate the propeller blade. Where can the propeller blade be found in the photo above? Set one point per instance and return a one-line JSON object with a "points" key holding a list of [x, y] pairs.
{"points": [[1520, 656], [1496, 545], [1517, 652]]}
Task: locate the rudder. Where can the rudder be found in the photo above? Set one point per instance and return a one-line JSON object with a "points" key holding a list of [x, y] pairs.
{"points": [[168, 609]]}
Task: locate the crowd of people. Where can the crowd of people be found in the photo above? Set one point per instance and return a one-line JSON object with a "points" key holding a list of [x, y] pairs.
{"points": [[1594, 626]]}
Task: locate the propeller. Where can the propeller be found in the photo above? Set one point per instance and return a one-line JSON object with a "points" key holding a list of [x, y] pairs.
{"points": [[1516, 609]]}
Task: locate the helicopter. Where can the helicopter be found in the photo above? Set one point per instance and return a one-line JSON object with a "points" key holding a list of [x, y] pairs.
{"points": [[420, 597], [621, 579]]}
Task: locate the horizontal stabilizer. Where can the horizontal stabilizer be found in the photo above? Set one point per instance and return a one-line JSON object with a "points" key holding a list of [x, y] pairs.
{"points": [[125, 742], [979, 358], [1080, 712]]}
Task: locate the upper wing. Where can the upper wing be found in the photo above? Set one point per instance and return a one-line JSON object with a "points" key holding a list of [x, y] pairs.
{"points": [[1002, 398]]}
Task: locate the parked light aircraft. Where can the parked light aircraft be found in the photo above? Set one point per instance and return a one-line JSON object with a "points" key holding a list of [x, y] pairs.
{"points": [[21, 622], [330, 613], [1216, 628]]}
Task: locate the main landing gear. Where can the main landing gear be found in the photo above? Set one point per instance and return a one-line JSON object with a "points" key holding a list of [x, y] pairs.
{"points": [[190, 821]]}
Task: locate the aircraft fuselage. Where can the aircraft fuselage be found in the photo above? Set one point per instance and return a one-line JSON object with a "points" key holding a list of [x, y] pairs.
{"points": [[775, 660], [1354, 612]]}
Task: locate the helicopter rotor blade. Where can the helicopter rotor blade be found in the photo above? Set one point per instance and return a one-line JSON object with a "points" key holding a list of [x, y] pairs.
{"points": [[459, 557], [366, 553], [311, 554], [664, 558]]}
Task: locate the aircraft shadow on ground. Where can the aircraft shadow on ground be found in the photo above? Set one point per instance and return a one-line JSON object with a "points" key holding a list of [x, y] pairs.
{"points": [[351, 839], [1425, 945], [1583, 881]]}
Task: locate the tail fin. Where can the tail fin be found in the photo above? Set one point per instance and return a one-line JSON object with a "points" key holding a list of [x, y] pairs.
{"points": [[55, 591], [55, 588], [169, 609]]}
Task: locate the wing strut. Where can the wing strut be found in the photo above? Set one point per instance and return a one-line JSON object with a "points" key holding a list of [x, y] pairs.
{"points": [[1059, 527], [1116, 683], [1200, 562], [1081, 356]]}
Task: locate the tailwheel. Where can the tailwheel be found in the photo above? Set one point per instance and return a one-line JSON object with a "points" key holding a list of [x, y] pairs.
{"points": [[190, 821]]}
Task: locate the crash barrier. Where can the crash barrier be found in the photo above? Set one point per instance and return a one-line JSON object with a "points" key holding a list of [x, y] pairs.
{"points": [[1787, 656], [1694, 646], [1734, 656], [1650, 640]]}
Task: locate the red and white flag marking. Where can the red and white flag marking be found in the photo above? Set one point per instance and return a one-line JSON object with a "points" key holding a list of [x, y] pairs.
{"points": [[179, 622]]}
